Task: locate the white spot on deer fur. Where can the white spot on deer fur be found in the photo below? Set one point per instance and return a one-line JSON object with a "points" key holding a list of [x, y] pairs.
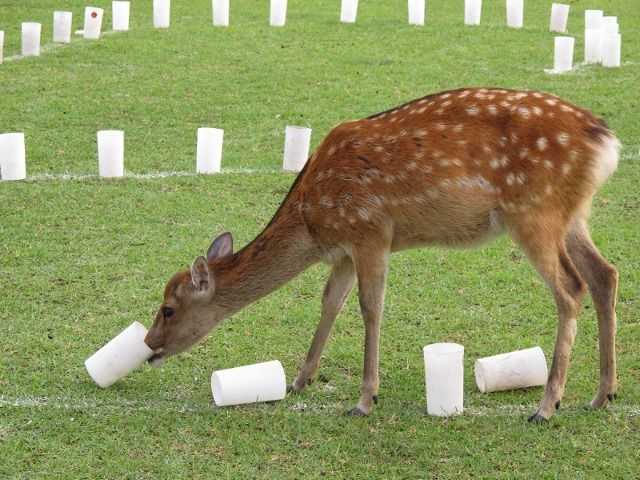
{"points": [[440, 111], [480, 95], [389, 178], [491, 97], [514, 137], [551, 101], [548, 189], [494, 163], [326, 202], [351, 220], [458, 128], [441, 126], [332, 149], [420, 133], [548, 165], [444, 162], [457, 162], [393, 119], [542, 143], [362, 213], [419, 199], [422, 101], [413, 111], [341, 211], [445, 95], [503, 141], [520, 178], [432, 192], [524, 112], [504, 160], [535, 198], [534, 160], [537, 94], [462, 143], [486, 148], [566, 108], [464, 94], [563, 139], [426, 168], [505, 104], [422, 110], [493, 110], [537, 111], [566, 168], [473, 110], [573, 155], [378, 149], [477, 162], [524, 152], [510, 178], [411, 165]]}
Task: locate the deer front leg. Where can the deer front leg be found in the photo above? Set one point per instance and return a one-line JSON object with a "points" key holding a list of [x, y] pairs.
{"points": [[372, 276], [336, 291]]}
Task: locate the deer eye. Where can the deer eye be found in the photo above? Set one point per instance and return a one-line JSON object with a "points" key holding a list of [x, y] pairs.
{"points": [[168, 312]]}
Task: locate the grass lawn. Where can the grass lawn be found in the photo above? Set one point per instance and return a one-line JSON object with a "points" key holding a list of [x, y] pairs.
{"points": [[81, 259]]}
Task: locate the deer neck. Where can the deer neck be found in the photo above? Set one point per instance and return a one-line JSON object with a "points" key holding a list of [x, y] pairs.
{"points": [[281, 252]]}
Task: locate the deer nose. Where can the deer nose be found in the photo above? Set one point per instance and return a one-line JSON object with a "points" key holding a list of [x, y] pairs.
{"points": [[153, 342]]}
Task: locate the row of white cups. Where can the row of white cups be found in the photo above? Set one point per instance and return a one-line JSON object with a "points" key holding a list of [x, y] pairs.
{"points": [[602, 43], [266, 381], [111, 152]]}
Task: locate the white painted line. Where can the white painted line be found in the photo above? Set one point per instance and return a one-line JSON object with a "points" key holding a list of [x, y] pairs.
{"points": [[148, 176], [70, 403]]}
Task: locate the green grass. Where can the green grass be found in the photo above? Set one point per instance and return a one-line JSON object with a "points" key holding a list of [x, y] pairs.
{"points": [[80, 260]]}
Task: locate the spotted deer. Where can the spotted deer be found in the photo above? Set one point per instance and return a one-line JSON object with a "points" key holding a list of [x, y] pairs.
{"points": [[453, 169]]}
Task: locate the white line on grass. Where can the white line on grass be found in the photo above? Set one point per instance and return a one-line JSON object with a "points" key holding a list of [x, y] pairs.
{"points": [[146, 176], [69, 403]]}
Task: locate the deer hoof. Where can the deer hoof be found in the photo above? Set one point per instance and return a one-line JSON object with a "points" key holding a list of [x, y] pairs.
{"points": [[537, 419], [291, 389], [375, 399], [355, 412]]}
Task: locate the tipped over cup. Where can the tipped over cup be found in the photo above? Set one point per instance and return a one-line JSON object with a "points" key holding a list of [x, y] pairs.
{"points": [[519, 369], [121, 356], [260, 382]]}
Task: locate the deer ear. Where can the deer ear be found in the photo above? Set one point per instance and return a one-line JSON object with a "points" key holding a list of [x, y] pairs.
{"points": [[201, 275], [221, 247]]}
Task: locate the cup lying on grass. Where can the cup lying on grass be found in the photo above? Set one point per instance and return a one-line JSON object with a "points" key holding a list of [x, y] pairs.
{"points": [[261, 382], [120, 356], [520, 369]]}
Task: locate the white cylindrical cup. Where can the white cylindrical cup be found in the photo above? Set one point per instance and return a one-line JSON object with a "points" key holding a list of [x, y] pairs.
{"points": [[111, 153], [209, 150], [296, 148], [472, 12], [515, 13], [62, 27], [92, 22], [563, 54], [592, 19], [220, 12], [559, 17], [278, 13], [593, 45], [120, 16], [31, 39], [611, 45], [348, 11], [520, 369], [120, 356], [161, 13], [609, 25], [12, 157], [1, 46], [416, 12], [261, 382], [444, 378]]}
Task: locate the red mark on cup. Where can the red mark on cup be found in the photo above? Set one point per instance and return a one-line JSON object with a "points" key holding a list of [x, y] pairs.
{"points": [[94, 14]]}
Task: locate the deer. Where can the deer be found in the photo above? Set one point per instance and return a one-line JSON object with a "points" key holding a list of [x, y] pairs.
{"points": [[453, 169]]}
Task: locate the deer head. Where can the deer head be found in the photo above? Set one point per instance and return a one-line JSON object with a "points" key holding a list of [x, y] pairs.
{"points": [[190, 309]]}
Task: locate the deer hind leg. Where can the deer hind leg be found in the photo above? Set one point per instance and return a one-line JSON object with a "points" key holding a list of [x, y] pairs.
{"points": [[602, 279], [372, 277], [548, 254], [336, 291]]}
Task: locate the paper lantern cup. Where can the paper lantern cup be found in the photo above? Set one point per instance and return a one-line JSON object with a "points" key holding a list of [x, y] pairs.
{"points": [[611, 46], [416, 12], [520, 369], [120, 356], [593, 45], [209, 150], [92, 22], [31, 39], [515, 13], [348, 11], [472, 12], [120, 16], [278, 13], [161, 13], [592, 19], [111, 153], [62, 27], [220, 13], [296, 148], [563, 54], [559, 17], [444, 378], [261, 382], [12, 157]]}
